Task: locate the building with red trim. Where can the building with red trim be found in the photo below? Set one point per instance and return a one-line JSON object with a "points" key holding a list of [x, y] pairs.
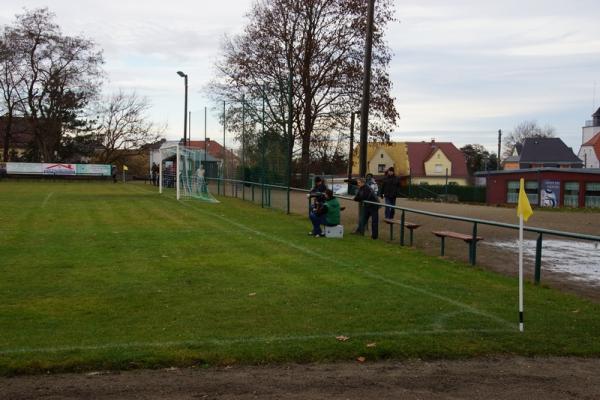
{"points": [[545, 187]]}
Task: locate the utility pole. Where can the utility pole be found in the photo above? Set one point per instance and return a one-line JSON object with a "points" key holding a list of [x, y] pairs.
{"points": [[351, 154], [499, 148], [366, 98]]}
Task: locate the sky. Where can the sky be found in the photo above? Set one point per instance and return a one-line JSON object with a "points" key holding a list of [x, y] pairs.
{"points": [[461, 70]]}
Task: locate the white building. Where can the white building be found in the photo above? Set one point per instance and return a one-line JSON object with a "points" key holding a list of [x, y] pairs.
{"points": [[590, 142]]}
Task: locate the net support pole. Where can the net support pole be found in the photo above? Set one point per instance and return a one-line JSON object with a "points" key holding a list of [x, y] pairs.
{"points": [[160, 171], [177, 169]]}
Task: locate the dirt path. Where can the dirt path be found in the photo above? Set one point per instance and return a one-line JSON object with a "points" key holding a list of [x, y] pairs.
{"points": [[502, 378]]}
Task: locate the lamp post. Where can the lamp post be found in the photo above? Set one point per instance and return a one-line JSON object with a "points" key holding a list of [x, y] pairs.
{"points": [[185, 112]]}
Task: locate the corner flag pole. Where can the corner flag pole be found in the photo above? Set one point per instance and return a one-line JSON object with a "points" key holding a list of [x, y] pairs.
{"points": [[524, 211], [521, 272]]}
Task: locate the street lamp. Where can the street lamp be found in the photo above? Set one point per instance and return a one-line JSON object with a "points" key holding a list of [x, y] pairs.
{"points": [[185, 77]]}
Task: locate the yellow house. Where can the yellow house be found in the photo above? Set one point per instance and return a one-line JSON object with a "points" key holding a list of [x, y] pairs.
{"points": [[425, 162], [433, 162], [381, 156]]}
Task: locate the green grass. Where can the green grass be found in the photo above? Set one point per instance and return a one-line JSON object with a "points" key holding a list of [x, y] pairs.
{"points": [[116, 276]]}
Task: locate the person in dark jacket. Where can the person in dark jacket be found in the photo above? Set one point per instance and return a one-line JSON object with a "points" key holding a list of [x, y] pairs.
{"points": [[328, 213], [365, 193], [390, 187], [317, 193]]}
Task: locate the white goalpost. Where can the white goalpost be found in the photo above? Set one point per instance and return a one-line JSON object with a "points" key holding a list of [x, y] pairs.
{"points": [[183, 169]]}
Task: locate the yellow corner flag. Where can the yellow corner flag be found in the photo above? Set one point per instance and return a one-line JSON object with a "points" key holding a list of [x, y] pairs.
{"points": [[127, 169], [523, 207]]}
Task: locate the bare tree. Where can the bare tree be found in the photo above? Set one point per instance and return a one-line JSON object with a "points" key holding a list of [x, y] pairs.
{"points": [[319, 45], [11, 79], [525, 130], [59, 76], [123, 125]]}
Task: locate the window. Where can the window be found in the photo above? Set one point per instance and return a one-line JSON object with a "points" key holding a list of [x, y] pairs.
{"points": [[381, 167], [381, 155], [571, 198], [438, 168], [512, 192], [592, 194], [531, 189]]}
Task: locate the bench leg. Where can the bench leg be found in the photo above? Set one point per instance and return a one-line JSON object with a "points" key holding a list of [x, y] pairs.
{"points": [[411, 237], [471, 253], [443, 244]]}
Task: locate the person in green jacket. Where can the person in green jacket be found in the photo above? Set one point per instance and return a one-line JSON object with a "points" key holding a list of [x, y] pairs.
{"points": [[328, 213]]}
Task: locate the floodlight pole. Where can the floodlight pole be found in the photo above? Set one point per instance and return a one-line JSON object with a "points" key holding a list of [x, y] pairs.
{"points": [[364, 112], [185, 112], [177, 169], [205, 147]]}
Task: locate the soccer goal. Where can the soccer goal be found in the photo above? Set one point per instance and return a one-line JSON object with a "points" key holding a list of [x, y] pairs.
{"points": [[182, 168]]}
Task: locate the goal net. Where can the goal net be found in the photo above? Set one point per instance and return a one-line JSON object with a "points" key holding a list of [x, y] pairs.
{"points": [[182, 168]]}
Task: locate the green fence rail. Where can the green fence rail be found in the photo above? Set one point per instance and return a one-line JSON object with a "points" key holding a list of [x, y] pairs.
{"points": [[266, 191]]}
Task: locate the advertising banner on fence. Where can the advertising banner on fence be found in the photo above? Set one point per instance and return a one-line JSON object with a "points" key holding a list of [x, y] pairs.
{"points": [[59, 169], [93, 169], [23, 168], [550, 193]]}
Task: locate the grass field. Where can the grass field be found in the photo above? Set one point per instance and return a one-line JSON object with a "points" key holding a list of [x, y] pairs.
{"points": [[96, 275]]}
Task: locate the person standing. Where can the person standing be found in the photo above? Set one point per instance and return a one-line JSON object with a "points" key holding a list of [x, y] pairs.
{"points": [[390, 188], [365, 193], [155, 172]]}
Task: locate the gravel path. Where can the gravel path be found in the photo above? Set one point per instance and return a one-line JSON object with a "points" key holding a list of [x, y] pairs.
{"points": [[502, 378]]}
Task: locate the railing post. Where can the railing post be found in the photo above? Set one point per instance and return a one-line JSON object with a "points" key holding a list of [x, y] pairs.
{"points": [[288, 199], [252, 186], [243, 190], [473, 247], [402, 219], [538, 260]]}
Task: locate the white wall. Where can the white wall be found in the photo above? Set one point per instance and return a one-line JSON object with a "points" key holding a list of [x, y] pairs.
{"points": [[589, 132], [589, 153]]}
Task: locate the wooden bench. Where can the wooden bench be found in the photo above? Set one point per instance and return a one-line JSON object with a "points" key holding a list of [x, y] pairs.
{"points": [[411, 226], [461, 236]]}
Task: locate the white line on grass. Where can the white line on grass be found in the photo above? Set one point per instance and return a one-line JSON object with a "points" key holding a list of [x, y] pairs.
{"points": [[290, 338], [46, 199], [250, 339], [367, 273]]}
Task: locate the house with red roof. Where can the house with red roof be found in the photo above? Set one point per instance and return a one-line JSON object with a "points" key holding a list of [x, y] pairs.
{"points": [[436, 163], [590, 152]]}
